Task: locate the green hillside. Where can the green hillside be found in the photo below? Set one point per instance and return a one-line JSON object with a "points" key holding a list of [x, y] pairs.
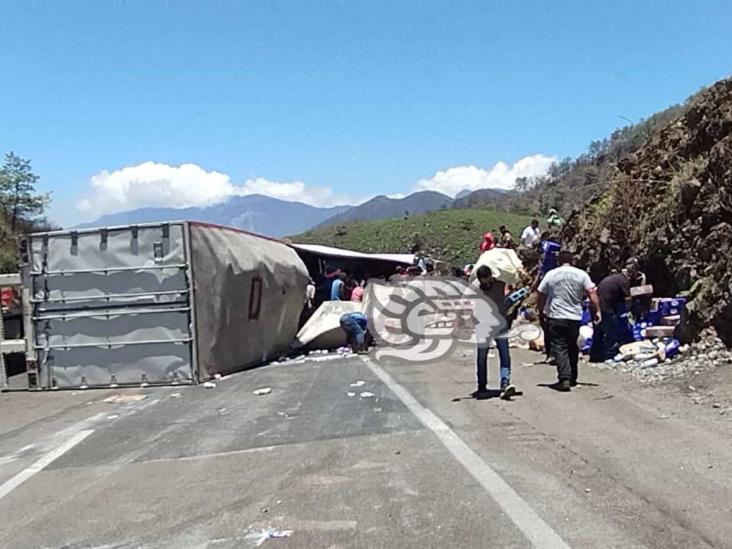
{"points": [[450, 235]]}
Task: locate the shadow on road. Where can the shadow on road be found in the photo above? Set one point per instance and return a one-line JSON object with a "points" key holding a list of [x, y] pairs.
{"points": [[486, 395]]}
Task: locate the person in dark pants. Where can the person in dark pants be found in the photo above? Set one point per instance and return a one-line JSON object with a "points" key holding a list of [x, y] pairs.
{"points": [[614, 294], [495, 291], [561, 293], [544, 323], [355, 324]]}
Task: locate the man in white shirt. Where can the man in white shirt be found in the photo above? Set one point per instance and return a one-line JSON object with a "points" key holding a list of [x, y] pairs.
{"points": [[561, 293], [531, 234]]}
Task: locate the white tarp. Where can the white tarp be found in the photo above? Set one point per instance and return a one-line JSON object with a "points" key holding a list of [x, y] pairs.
{"points": [[323, 329], [504, 263], [407, 259]]}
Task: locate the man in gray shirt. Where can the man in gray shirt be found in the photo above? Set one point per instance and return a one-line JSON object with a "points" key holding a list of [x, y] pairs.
{"points": [[561, 293]]}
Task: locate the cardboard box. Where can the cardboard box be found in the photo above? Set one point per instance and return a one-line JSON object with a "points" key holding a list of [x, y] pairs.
{"points": [[637, 347], [637, 291], [672, 320], [660, 331]]}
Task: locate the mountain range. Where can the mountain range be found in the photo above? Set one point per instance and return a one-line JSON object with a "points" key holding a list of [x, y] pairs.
{"points": [[255, 213], [383, 207], [278, 218]]}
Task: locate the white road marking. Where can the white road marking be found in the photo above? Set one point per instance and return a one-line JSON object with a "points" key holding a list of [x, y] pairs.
{"points": [[12, 483], [536, 530]]}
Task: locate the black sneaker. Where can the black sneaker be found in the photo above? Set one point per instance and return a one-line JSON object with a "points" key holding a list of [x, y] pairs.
{"points": [[563, 386], [479, 392], [507, 392]]}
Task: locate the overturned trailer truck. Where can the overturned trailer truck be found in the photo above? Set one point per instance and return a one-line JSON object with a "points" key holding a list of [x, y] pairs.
{"points": [[166, 303]]}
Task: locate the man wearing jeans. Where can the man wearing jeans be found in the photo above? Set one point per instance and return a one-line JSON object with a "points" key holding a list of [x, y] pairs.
{"points": [[561, 293], [354, 325], [495, 290]]}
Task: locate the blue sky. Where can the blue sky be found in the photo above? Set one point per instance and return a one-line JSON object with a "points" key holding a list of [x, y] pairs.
{"points": [[331, 101]]}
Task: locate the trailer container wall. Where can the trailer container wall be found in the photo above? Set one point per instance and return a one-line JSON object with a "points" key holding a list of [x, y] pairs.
{"points": [[110, 306], [249, 293]]}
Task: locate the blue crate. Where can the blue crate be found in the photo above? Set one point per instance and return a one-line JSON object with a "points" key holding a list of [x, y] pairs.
{"points": [[669, 306]]}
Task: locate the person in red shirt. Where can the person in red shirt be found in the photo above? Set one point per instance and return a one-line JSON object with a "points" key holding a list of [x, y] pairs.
{"points": [[488, 242]]}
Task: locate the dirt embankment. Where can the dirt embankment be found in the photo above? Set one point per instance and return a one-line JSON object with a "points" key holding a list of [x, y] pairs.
{"points": [[670, 205]]}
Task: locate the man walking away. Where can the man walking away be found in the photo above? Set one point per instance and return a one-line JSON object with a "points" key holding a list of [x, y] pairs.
{"points": [[495, 290], [561, 293], [614, 294], [354, 325], [531, 234]]}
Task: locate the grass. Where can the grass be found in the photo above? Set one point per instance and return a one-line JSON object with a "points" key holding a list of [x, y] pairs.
{"points": [[452, 236]]}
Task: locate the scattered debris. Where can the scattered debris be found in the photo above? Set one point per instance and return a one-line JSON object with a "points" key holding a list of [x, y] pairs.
{"points": [[217, 376], [260, 536], [377, 410], [358, 383], [263, 391], [367, 394], [351, 394], [209, 385], [680, 363], [113, 416], [175, 395], [327, 358]]}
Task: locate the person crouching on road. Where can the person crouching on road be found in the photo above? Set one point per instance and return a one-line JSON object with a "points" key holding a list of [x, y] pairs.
{"points": [[355, 325], [561, 293], [495, 291]]}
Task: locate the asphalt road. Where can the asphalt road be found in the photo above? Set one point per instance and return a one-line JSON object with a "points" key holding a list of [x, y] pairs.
{"points": [[418, 464]]}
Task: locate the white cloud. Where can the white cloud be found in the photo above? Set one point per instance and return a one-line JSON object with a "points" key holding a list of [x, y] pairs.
{"points": [[501, 176], [156, 184], [162, 185], [295, 191]]}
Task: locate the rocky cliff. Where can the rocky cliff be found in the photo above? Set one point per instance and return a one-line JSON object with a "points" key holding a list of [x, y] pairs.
{"points": [[670, 204]]}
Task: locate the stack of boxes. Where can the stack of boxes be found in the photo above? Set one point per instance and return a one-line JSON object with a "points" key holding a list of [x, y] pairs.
{"points": [[662, 319]]}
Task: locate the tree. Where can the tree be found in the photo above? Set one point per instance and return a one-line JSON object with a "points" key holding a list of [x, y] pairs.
{"points": [[18, 196], [521, 184]]}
